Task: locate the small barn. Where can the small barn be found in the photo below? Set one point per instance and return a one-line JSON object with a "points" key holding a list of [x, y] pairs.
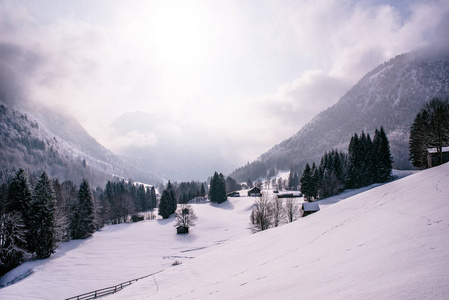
{"points": [[255, 192], [309, 208], [233, 194], [433, 157], [182, 229]]}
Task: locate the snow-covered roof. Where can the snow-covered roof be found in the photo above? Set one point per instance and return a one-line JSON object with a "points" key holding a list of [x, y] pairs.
{"points": [[312, 206], [434, 150]]}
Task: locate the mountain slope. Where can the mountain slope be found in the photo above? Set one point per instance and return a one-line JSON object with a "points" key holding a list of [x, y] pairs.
{"points": [[386, 243], [390, 96], [59, 144]]}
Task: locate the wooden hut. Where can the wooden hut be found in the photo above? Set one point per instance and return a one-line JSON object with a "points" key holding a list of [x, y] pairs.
{"points": [[182, 229], [433, 157], [309, 208]]}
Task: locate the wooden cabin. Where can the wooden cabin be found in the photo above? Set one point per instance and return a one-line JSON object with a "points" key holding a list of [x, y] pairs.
{"points": [[182, 230], [433, 157], [255, 192], [310, 208]]}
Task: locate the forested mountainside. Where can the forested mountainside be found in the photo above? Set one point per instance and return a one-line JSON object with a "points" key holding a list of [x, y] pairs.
{"points": [[389, 96], [47, 140]]}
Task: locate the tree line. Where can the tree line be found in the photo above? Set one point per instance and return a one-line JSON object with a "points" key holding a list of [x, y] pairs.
{"points": [[36, 216], [34, 221], [430, 129], [368, 161]]}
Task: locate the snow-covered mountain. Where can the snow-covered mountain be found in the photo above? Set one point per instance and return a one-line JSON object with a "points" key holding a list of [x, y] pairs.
{"points": [[45, 139], [389, 96]]}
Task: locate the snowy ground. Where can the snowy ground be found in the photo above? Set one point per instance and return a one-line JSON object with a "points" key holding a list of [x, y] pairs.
{"points": [[123, 252], [384, 243], [390, 242]]}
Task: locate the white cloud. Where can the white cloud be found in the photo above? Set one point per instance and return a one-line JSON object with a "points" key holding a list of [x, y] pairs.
{"points": [[352, 39], [231, 77]]}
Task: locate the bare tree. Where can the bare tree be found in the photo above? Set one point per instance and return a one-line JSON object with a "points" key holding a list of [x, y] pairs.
{"points": [[278, 211], [262, 214], [291, 210], [185, 216]]}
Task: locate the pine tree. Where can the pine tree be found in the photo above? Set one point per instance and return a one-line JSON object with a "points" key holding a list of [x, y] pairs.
{"points": [[217, 190], [153, 201], [231, 185], [203, 191], [165, 206], [385, 160], [141, 199], [315, 181], [306, 183], [42, 211], [82, 225], [417, 143], [12, 240], [354, 175], [18, 200], [173, 204]]}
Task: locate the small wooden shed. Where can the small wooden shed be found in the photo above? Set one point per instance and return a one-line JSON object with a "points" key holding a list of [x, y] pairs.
{"points": [[433, 157], [309, 208], [255, 192], [182, 229]]}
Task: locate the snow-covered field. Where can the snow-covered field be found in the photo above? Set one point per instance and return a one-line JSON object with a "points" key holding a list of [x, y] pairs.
{"points": [[123, 252], [388, 242]]}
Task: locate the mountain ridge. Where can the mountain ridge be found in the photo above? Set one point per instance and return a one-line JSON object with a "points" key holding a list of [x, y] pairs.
{"points": [[390, 96], [43, 139]]}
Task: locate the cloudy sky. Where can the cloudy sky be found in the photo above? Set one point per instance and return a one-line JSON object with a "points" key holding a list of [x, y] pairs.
{"points": [[226, 80]]}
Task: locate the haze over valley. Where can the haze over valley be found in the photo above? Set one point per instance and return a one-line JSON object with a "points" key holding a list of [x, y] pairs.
{"points": [[229, 149]]}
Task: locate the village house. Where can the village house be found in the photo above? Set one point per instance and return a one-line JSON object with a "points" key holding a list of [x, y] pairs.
{"points": [[255, 192]]}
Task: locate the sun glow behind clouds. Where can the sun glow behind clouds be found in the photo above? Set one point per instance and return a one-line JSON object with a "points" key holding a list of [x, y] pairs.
{"points": [[174, 34], [181, 35], [228, 69]]}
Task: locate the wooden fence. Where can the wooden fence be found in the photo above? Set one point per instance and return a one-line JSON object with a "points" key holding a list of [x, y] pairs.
{"points": [[109, 290]]}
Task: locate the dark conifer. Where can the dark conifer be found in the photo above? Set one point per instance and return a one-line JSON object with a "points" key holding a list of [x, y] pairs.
{"points": [[217, 190], [306, 183], [19, 201], [173, 204], [385, 159], [82, 225], [165, 205], [153, 200], [42, 211]]}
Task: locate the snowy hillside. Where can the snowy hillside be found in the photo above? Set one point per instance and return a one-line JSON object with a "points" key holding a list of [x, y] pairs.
{"points": [[123, 252], [390, 96], [387, 243]]}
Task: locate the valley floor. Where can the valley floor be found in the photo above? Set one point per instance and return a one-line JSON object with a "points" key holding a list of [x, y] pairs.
{"points": [[385, 240], [387, 243]]}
